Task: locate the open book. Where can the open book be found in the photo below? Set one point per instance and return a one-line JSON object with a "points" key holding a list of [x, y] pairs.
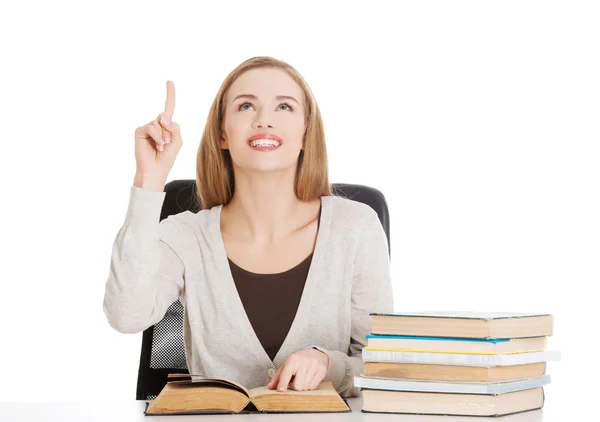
{"points": [[196, 394]]}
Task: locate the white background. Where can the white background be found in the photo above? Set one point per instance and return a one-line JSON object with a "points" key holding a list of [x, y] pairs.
{"points": [[477, 120]]}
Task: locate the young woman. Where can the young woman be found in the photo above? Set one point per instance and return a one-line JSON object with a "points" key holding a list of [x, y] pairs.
{"points": [[277, 276]]}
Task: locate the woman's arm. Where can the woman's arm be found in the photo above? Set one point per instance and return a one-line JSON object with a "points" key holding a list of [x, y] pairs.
{"points": [[371, 292], [146, 274]]}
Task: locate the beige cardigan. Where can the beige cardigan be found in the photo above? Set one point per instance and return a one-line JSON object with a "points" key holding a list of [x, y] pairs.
{"points": [[183, 256]]}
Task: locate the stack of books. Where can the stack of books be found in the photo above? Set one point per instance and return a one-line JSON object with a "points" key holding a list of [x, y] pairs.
{"points": [[456, 363]]}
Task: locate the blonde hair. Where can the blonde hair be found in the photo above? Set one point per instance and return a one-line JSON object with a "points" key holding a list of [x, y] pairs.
{"points": [[214, 168]]}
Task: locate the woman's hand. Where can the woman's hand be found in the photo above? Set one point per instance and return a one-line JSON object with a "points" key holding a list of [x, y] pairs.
{"points": [[156, 146], [308, 368]]}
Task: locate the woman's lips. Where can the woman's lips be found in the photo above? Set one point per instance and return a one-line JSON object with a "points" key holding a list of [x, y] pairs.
{"points": [[264, 147], [269, 136], [265, 142]]}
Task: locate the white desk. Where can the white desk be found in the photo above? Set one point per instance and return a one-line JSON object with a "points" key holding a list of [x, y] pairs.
{"points": [[133, 411]]}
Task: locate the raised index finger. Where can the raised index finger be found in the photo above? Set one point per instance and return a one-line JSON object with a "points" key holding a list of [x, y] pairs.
{"points": [[170, 102]]}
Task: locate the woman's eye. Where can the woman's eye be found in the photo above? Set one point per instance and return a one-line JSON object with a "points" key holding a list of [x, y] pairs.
{"points": [[243, 106]]}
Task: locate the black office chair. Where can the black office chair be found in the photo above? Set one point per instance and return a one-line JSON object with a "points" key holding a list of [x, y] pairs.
{"points": [[163, 349]]}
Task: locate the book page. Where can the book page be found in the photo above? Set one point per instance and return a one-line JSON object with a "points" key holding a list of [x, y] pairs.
{"points": [[202, 379], [324, 389]]}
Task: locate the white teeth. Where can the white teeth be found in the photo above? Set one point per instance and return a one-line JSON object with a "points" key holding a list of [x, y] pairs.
{"points": [[264, 143]]}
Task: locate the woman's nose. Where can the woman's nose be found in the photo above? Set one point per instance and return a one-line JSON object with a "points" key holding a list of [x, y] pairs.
{"points": [[261, 121]]}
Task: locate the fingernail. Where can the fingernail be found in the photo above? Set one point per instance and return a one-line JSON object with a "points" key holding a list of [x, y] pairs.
{"points": [[161, 148], [164, 121]]}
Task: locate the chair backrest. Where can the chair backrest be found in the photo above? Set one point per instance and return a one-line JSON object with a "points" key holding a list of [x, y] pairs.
{"points": [[163, 349]]}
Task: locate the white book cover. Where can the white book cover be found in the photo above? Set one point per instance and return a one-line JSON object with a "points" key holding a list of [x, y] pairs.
{"points": [[374, 383], [460, 358]]}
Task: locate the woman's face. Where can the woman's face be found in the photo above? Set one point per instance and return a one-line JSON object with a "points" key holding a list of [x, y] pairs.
{"points": [[265, 105]]}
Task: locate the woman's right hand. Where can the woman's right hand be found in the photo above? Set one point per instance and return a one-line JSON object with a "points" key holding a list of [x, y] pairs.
{"points": [[156, 146]]}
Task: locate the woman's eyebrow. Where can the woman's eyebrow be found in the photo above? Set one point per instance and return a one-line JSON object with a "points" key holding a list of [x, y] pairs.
{"points": [[278, 98], [286, 97]]}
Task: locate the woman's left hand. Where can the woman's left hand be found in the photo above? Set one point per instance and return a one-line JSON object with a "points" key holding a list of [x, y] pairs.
{"points": [[308, 368]]}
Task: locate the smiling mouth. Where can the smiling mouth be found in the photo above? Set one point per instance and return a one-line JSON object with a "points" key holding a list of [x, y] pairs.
{"points": [[264, 144]]}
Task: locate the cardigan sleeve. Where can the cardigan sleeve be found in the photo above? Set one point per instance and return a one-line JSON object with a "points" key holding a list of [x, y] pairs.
{"points": [[371, 292], [146, 274]]}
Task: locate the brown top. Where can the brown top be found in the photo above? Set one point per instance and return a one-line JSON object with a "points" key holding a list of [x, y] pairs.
{"points": [[271, 300]]}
